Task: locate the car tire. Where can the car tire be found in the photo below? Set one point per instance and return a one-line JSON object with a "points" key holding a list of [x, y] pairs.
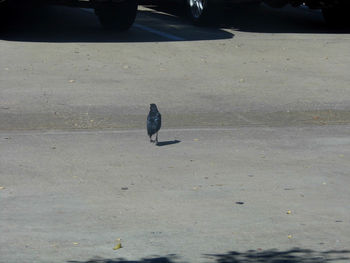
{"points": [[117, 16], [199, 11], [5, 13], [276, 3], [337, 16]]}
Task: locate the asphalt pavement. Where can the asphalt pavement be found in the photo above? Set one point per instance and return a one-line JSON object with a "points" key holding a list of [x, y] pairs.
{"points": [[253, 163]]}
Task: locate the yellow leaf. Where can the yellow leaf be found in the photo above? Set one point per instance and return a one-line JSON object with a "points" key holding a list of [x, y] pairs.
{"points": [[117, 246]]}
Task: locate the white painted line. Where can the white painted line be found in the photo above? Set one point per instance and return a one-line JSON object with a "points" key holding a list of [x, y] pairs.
{"points": [[157, 32], [306, 8], [89, 10]]}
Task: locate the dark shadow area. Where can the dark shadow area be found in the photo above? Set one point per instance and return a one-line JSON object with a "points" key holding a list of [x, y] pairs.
{"points": [[121, 260], [64, 24], [260, 18], [59, 24], [164, 143], [296, 255]]}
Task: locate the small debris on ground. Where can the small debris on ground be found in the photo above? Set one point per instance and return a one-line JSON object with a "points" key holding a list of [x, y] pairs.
{"points": [[118, 245]]}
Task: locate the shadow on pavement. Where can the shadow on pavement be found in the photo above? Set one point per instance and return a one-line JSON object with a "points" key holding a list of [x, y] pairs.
{"points": [[64, 24], [168, 259], [164, 143], [260, 18], [296, 255], [57, 24]]}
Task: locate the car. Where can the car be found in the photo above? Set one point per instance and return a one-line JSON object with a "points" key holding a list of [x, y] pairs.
{"points": [[202, 11], [335, 12], [112, 14]]}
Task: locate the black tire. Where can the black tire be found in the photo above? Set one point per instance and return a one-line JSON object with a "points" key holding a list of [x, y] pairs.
{"points": [[4, 10], [337, 16], [117, 16], [5, 14], [200, 11], [276, 3]]}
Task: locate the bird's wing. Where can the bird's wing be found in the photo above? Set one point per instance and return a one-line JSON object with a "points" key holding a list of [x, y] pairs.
{"points": [[159, 121]]}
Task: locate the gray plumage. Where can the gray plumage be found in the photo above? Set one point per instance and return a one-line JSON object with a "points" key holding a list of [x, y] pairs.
{"points": [[154, 122]]}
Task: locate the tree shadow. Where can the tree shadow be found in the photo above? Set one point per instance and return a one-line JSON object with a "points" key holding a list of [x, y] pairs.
{"points": [[164, 143], [295, 255], [167, 259]]}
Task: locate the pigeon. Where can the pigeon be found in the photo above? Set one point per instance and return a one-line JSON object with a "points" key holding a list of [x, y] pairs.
{"points": [[154, 121]]}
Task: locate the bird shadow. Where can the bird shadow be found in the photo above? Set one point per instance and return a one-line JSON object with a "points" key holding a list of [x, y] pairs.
{"points": [[164, 143]]}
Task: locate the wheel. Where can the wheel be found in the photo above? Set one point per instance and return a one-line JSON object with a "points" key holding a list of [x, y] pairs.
{"points": [[199, 11], [5, 13], [118, 16], [337, 16], [276, 3]]}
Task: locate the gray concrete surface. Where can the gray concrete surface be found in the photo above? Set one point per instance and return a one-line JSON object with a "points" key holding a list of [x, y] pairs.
{"points": [[258, 104], [69, 74], [64, 199]]}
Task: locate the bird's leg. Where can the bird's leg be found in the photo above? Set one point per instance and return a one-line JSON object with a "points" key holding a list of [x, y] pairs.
{"points": [[156, 138]]}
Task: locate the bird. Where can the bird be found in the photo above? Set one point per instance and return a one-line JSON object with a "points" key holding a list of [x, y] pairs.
{"points": [[154, 122]]}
